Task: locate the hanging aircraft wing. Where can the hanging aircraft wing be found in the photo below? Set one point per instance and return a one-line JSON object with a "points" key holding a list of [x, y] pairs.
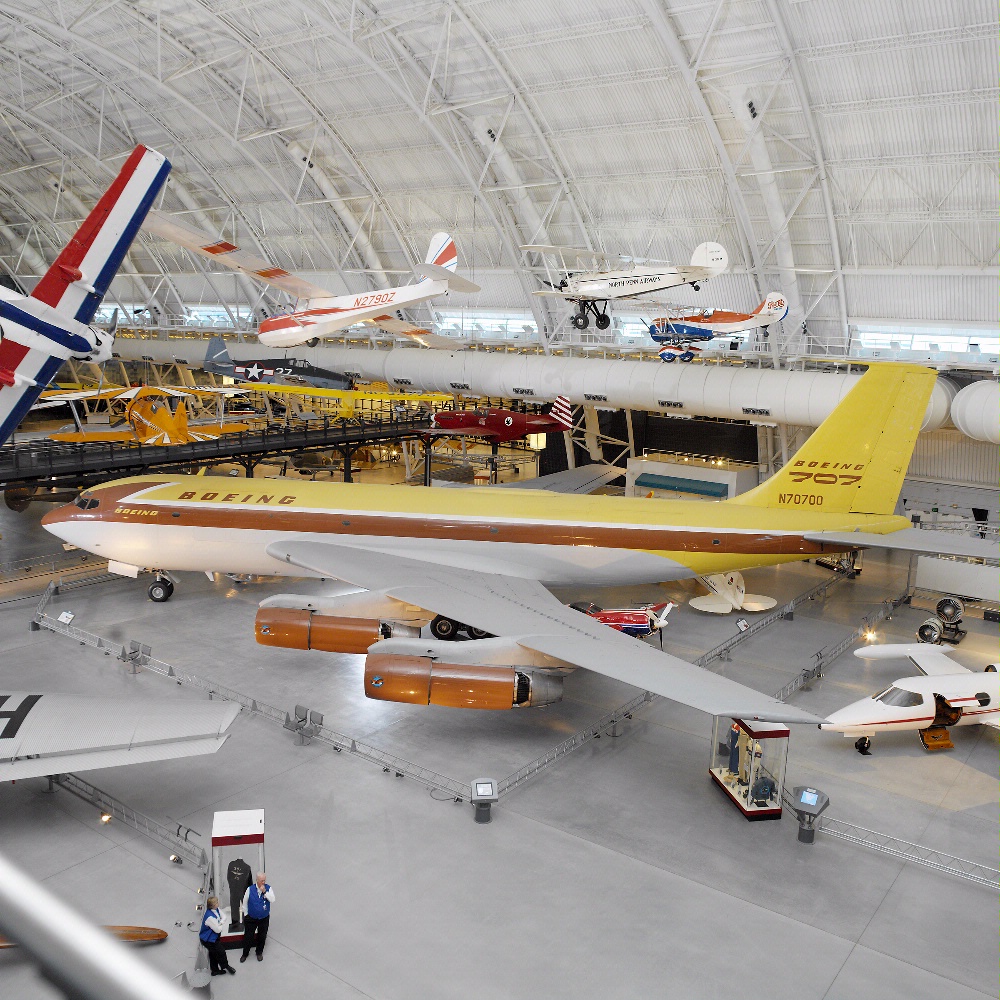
{"points": [[393, 324], [584, 479], [44, 734], [924, 541], [231, 256], [930, 660], [526, 611]]}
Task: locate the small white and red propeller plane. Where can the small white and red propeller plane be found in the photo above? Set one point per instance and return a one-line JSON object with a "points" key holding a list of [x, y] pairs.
{"points": [[945, 694], [42, 330], [318, 313], [592, 279]]}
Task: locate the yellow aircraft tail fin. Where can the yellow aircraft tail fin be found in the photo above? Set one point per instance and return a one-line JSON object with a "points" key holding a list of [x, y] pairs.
{"points": [[855, 461]]}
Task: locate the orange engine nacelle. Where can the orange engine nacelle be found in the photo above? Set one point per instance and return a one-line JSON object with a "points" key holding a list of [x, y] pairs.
{"points": [[292, 628], [419, 680]]}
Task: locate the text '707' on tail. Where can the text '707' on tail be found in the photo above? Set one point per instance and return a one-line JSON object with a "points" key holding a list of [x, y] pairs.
{"points": [[855, 461]]}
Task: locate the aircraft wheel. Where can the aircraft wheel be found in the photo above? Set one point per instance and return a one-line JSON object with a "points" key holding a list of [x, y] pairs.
{"points": [[687, 356], [603, 321], [863, 745], [669, 357], [160, 590], [991, 669], [312, 341], [444, 628], [478, 633], [580, 321]]}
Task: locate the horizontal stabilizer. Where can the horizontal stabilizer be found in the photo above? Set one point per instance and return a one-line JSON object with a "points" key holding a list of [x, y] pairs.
{"points": [[928, 659], [456, 283], [927, 541]]}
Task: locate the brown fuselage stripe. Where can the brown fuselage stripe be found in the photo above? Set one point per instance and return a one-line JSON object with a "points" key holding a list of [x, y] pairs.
{"points": [[655, 539]]}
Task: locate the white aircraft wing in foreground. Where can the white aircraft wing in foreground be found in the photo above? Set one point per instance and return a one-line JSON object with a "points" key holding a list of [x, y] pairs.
{"points": [[527, 612], [44, 734]]}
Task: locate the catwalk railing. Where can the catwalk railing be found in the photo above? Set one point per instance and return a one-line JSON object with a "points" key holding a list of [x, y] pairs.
{"points": [[169, 836], [828, 654], [915, 854]]}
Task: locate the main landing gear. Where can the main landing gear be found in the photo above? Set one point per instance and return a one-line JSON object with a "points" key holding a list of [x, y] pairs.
{"points": [[161, 589], [448, 628], [581, 319]]}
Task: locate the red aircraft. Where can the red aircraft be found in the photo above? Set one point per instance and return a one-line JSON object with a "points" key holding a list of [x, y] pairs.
{"points": [[505, 425], [637, 622]]}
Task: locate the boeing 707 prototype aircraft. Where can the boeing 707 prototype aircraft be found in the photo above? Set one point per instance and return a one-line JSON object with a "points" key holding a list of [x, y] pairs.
{"points": [[485, 557]]}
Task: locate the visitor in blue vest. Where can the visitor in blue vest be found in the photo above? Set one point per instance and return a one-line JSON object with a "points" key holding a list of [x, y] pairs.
{"points": [[256, 907], [212, 926]]}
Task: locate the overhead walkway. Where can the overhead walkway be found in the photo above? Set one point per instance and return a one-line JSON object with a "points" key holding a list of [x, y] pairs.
{"points": [[58, 463]]}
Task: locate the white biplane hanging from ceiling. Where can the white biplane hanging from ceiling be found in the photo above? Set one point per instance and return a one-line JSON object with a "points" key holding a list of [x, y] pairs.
{"points": [[318, 313], [591, 279]]}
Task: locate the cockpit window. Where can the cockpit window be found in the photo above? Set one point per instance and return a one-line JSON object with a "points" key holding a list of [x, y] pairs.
{"points": [[87, 503], [900, 698]]}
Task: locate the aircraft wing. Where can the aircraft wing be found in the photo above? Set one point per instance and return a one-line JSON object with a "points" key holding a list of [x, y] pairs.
{"points": [[44, 734], [230, 255], [393, 324], [925, 541], [585, 479], [526, 611]]}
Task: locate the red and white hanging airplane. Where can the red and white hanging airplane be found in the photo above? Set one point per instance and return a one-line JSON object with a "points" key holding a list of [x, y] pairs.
{"points": [[318, 313], [505, 425], [38, 332]]}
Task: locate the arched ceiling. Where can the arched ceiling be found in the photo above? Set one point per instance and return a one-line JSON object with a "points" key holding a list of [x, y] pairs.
{"points": [[845, 153]]}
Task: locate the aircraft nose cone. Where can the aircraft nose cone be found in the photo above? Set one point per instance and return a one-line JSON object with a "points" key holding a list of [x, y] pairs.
{"points": [[58, 516], [844, 719]]}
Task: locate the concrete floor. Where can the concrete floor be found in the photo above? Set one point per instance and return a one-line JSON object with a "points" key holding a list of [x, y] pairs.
{"points": [[621, 871]]}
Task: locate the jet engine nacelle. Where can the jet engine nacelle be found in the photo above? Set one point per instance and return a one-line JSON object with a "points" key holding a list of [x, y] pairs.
{"points": [[419, 680], [291, 628]]}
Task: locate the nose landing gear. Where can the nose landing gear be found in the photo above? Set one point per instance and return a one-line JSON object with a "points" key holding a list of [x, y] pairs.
{"points": [[864, 746], [161, 589]]}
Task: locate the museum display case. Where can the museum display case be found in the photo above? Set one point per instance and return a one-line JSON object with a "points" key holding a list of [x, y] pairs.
{"points": [[237, 856], [748, 764]]}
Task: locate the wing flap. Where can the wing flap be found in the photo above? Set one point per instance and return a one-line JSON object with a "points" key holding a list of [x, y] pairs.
{"points": [[44, 725], [527, 611], [37, 767]]}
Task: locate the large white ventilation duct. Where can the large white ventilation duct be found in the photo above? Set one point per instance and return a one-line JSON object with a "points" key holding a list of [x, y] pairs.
{"points": [[803, 398], [976, 411]]}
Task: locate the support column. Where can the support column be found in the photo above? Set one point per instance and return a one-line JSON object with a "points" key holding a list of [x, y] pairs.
{"points": [[427, 460]]}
